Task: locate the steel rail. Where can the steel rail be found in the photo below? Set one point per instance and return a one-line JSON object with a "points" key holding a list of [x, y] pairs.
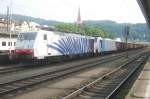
{"points": [[94, 83], [8, 87], [20, 67]]}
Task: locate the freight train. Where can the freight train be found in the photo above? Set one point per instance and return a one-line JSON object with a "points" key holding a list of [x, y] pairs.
{"points": [[45, 46]]}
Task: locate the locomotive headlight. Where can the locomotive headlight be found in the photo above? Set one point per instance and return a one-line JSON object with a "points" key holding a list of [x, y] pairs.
{"points": [[31, 51], [17, 51]]}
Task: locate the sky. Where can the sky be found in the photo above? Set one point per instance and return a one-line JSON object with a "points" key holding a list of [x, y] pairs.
{"points": [[121, 11]]}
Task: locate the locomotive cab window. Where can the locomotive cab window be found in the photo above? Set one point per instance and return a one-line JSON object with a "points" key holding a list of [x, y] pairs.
{"points": [[45, 36], [27, 36], [26, 40]]}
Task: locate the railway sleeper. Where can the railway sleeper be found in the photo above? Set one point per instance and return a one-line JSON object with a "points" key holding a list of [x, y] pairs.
{"points": [[118, 75], [3, 90], [47, 77], [95, 94], [18, 84], [99, 90], [25, 82], [104, 87], [84, 96], [106, 84], [38, 78], [33, 80], [10, 87], [103, 83], [28, 81]]}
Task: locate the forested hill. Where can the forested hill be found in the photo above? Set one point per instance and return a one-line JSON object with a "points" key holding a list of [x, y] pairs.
{"points": [[137, 31], [40, 21]]}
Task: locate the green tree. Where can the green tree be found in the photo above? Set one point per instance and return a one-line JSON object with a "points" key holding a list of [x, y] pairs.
{"points": [[86, 30], [66, 27]]}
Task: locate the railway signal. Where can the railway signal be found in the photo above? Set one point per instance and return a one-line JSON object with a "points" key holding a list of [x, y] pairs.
{"points": [[126, 34]]}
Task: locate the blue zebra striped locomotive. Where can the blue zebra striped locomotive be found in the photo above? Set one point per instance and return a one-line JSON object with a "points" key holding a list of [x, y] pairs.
{"points": [[45, 45]]}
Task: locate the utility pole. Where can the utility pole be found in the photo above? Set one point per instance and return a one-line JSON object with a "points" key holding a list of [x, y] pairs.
{"points": [[8, 31], [9, 10], [7, 19]]}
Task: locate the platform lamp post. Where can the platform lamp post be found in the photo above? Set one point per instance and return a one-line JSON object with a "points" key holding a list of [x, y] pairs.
{"points": [[126, 34]]}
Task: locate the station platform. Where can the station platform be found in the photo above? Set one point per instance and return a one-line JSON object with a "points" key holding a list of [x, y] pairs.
{"points": [[141, 88]]}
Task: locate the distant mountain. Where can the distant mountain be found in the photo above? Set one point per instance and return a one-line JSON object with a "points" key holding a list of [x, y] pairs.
{"points": [[139, 31], [29, 18]]}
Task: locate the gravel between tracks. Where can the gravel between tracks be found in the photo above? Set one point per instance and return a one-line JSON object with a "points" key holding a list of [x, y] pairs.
{"points": [[66, 85], [59, 88], [36, 71]]}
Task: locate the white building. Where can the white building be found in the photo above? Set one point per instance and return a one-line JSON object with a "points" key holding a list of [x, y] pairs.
{"points": [[23, 26]]}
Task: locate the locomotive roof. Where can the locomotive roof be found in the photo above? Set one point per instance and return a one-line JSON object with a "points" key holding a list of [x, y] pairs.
{"points": [[59, 33]]}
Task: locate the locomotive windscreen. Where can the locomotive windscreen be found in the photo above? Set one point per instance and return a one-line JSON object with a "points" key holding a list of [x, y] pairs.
{"points": [[26, 40], [27, 36]]}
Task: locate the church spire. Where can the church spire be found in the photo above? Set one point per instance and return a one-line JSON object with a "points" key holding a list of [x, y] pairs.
{"points": [[79, 21]]}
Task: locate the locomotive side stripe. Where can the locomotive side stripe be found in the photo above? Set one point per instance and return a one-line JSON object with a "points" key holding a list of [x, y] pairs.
{"points": [[50, 46]]}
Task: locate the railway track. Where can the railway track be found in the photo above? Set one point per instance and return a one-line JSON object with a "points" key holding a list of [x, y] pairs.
{"points": [[107, 86], [18, 67], [6, 88], [10, 69], [26, 67], [16, 85]]}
